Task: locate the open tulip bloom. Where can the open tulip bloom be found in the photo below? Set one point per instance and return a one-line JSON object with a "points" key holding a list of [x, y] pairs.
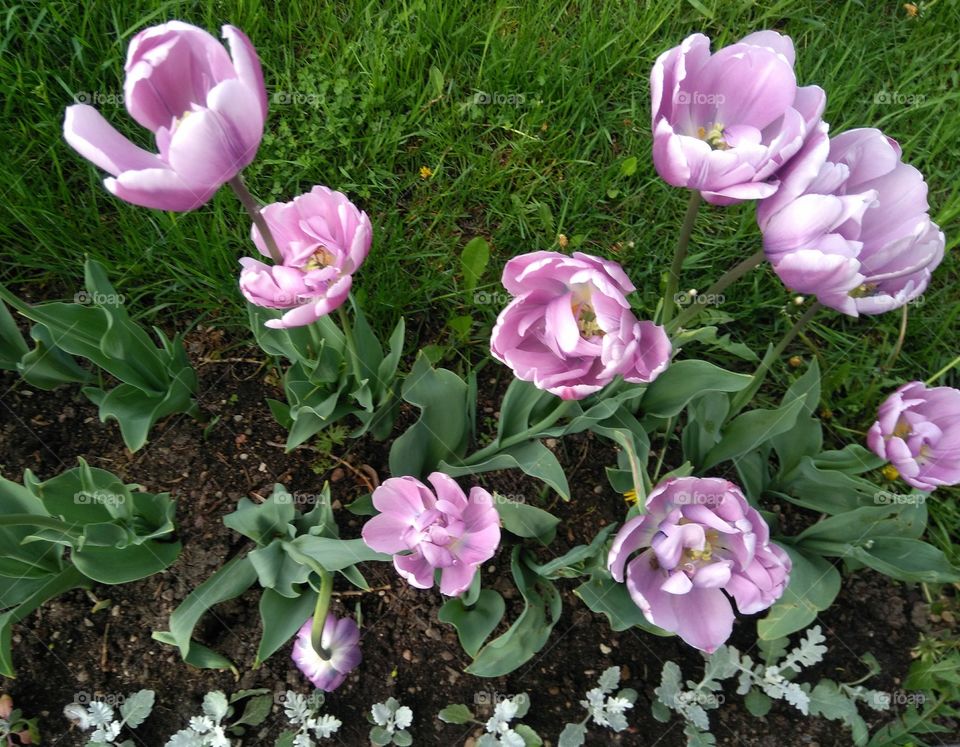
{"points": [[918, 430], [428, 530], [698, 539], [340, 641], [570, 329], [725, 123], [205, 107], [322, 239], [850, 224]]}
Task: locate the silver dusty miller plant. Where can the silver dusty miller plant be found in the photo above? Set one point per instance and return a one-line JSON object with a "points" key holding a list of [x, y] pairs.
{"points": [[303, 712], [390, 721], [501, 729], [604, 708], [762, 683], [101, 717]]}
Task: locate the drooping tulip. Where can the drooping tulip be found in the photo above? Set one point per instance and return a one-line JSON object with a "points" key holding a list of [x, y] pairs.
{"points": [[853, 229], [570, 329], [205, 107], [698, 542], [918, 431], [427, 530], [323, 239], [341, 653], [725, 123]]}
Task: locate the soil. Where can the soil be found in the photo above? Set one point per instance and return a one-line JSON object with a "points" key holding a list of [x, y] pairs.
{"points": [[67, 651]]}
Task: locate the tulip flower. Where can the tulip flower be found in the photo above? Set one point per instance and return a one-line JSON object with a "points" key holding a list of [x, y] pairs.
{"points": [[918, 431], [725, 123], [440, 529], [570, 329], [698, 542], [322, 239], [854, 230], [340, 654], [205, 107]]}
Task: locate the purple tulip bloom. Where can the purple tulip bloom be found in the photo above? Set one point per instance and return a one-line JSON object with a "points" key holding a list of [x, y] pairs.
{"points": [[340, 640], [699, 538], [570, 329], [439, 529], [323, 239], [850, 224], [725, 123], [918, 431], [205, 107]]}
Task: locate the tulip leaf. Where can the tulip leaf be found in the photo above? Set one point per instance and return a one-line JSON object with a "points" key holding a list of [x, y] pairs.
{"points": [[529, 632], [905, 559], [476, 622], [570, 564], [814, 584], [47, 366], [748, 431], [604, 595], [281, 618], [332, 554], [527, 521], [683, 382], [532, 457], [110, 565], [520, 400], [12, 345], [474, 259]]}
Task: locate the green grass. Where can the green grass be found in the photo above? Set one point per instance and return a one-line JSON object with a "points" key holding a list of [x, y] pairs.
{"points": [[364, 96]]}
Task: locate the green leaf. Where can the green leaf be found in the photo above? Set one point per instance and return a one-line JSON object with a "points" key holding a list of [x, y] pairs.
{"points": [[520, 400], [711, 337], [256, 710], [440, 432], [47, 366], [474, 259], [137, 707], [569, 564], [757, 703], [573, 735], [264, 522], [475, 623], [281, 617], [12, 345], [814, 584], [530, 737], [532, 457], [278, 571], [705, 418], [332, 554], [529, 633], [199, 656], [527, 521], [108, 565], [825, 489], [628, 166], [748, 431], [905, 559], [683, 382], [456, 714], [905, 520], [380, 736], [604, 595]]}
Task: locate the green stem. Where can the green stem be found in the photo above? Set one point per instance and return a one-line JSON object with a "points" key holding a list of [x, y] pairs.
{"points": [[47, 522], [252, 207], [558, 412], [320, 612], [943, 370], [722, 283], [745, 395], [351, 344], [673, 280], [895, 353]]}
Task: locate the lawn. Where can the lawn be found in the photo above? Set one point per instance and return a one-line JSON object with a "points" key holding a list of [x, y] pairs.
{"points": [[525, 123]]}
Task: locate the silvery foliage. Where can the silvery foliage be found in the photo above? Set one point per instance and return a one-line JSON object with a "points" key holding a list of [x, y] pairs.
{"points": [[303, 712], [390, 721], [206, 730], [101, 717], [501, 731], [604, 708], [761, 683]]}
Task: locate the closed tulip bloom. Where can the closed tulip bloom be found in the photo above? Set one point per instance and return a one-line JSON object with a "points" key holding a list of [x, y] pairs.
{"points": [[918, 431], [570, 329], [698, 542], [323, 239], [853, 229], [341, 653], [725, 123], [205, 107], [428, 530]]}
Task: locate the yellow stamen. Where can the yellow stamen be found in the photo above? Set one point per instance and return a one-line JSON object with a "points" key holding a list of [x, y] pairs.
{"points": [[321, 258], [890, 472], [714, 136], [630, 497]]}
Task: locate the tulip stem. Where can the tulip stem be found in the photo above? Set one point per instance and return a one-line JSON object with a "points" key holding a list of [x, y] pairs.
{"points": [[745, 395], [673, 279], [895, 353], [490, 449], [722, 283], [252, 207], [942, 371], [351, 344], [320, 612]]}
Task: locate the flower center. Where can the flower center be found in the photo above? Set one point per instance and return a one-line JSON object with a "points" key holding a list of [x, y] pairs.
{"points": [[713, 136], [903, 429], [693, 555], [321, 258], [587, 320], [863, 291]]}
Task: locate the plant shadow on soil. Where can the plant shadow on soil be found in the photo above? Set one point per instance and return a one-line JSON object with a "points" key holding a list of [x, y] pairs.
{"points": [[65, 649]]}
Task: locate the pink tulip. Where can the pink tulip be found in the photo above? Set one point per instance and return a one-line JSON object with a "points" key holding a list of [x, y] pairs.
{"points": [[323, 239], [698, 539], [570, 329], [851, 225], [427, 530], [340, 640], [205, 107], [725, 123], [918, 431]]}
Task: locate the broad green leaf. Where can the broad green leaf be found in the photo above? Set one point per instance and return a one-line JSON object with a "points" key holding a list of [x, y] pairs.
{"points": [[748, 431], [573, 735], [108, 565], [264, 522], [568, 565], [277, 570], [520, 400], [474, 259], [332, 554], [137, 707], [604, 595], [684, 381], [475, 623], [456, 714], [860, 524], [532, 457], [814, 584], [906, 559], [12, 345], [524, 520], [705, 418]]}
